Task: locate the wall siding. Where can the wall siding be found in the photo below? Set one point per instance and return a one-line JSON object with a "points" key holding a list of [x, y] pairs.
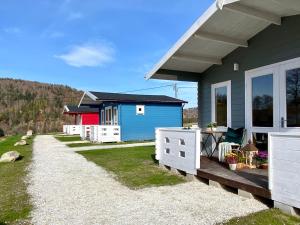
{"points": [[142, 127], [273, 45]]}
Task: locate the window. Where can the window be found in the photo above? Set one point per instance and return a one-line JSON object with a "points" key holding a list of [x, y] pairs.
{"points": [[293, 97], [262, 101], [108, 116], [221, 104], [115, 115], [140, 110], [102, 117]]}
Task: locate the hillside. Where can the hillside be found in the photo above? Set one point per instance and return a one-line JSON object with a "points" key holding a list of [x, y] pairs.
{"points": [[32, 105]]}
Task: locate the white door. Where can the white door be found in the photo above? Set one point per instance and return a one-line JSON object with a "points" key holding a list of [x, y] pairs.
{"points": [[273, 98], [262, 101], [290, 96]]}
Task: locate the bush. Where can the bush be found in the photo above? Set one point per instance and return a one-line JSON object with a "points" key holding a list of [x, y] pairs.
{"points": [[1, 133]]}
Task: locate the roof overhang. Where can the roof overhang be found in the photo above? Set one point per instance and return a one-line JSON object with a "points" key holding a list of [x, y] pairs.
{"points": [[224, 27]]}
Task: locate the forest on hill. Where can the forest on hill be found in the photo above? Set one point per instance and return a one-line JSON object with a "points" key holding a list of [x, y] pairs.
{"points": [[32, 105], [38, 106]]}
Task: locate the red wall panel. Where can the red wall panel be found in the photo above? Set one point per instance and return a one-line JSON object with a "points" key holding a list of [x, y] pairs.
{"points": [[90, 118]]}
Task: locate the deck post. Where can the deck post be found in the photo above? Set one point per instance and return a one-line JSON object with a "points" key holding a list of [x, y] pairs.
{"points": [[214, 184], [245, 194]]}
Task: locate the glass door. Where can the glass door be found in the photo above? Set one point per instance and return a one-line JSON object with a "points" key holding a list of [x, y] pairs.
{"points": [[262, 101], [290, 96]]}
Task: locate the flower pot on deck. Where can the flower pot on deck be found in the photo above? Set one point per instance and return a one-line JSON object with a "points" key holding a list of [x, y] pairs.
{"points": [[232, 166]]}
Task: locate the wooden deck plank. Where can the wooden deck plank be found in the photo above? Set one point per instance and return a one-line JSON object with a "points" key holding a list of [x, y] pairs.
{"points": [[254, 181]]}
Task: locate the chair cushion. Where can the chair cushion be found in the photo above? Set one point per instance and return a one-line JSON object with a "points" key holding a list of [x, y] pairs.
{"points": [[234, 135]]}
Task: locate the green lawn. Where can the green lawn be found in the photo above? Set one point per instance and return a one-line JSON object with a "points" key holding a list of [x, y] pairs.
{"points": [[266, 217], [68, 138], [74, 145], [134, 167], [14, 200]]}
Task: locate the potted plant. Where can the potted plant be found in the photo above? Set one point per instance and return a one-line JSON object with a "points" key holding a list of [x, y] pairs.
{"points": [[212, 126], [262, 159], [232, 160]]}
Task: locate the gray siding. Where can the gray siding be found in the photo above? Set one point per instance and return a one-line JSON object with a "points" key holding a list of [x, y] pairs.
{"points": [[274, 44]]}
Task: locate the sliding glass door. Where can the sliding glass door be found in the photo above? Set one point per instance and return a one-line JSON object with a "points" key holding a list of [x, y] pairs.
{"points": [[273, 98]]}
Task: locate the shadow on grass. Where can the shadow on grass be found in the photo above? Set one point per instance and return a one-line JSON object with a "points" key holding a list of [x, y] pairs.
{"points": [[153, 158], [3, 223]]}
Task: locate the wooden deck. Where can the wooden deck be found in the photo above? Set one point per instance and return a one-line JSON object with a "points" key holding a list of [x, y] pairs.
{"points": [[254, 181]]}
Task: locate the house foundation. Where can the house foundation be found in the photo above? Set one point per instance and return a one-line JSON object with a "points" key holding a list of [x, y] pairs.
{"points": [[287, 208]]}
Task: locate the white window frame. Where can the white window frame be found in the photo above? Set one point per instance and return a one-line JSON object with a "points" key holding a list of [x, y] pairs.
{"points": [[249, 75], [279, 91], [226, 84], [115, 116], [102, 117], [140, 112], [108, 109]]}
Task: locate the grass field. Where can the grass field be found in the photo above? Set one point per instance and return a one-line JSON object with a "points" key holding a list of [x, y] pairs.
{"points": [[14, 200], [68, 138], [266, 217], [134, 167], [74, 145]]}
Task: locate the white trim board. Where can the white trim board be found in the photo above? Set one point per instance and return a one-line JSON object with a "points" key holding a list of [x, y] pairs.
{"points": [[226, 84]]}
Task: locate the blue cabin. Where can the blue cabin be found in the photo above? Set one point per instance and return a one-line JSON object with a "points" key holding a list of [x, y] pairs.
{"points": [[137, 115]]}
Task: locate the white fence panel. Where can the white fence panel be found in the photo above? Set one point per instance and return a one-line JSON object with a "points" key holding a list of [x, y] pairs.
{"points": [[85, 132], [65, 129], [106, 133], [284, 167], [72, 129], [179, 148]]}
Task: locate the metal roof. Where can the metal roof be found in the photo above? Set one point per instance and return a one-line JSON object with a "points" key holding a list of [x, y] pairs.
{"points": [[82, 109], [118, 97], [224, 27]]}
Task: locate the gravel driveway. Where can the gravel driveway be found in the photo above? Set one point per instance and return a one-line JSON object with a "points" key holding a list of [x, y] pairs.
{"points": [[67, 189]]}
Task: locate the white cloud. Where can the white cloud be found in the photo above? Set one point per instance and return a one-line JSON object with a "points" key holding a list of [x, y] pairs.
{"points": [[75, 16], [12, 30], [89, 55]]}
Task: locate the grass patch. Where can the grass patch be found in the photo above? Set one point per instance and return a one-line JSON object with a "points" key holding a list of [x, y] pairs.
{"points": [[266, 217], [74, 145], [134, 167], [14, 201], [68, 138]]}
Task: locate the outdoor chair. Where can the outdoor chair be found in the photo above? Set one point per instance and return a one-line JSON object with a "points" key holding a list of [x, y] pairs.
{"points": [[233, 142]]}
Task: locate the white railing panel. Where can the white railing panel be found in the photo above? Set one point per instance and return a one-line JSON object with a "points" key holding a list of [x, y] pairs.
{"points": [[85, 132], [179, 148], [284, 167], [108, 133], [72, 129]]}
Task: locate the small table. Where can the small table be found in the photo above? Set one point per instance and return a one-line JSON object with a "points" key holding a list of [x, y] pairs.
{"points": [[216, 137]]}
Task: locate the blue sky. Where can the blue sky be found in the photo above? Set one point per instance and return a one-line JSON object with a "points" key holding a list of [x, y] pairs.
{"points": [[96, 45]]}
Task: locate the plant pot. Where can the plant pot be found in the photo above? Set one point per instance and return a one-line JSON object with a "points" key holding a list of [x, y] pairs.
{"points": [[232, 166]]}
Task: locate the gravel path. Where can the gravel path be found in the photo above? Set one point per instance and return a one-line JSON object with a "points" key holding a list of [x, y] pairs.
{"points": [[98, 147], [67, 189]]}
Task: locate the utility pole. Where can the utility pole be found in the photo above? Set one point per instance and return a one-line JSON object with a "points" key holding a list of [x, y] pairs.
{"points": [[175, 88]]}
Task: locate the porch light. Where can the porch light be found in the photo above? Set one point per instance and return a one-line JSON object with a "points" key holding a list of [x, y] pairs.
{"points": [[236, 67]]}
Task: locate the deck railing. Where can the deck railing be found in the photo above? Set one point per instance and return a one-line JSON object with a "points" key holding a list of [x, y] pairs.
{"points": [[179, 148], [105, 133], [72, 129], [284, 167]]}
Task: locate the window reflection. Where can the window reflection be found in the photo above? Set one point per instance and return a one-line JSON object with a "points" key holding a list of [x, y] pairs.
{"points": [[262, 101], [293, 97], [221, 106]]}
